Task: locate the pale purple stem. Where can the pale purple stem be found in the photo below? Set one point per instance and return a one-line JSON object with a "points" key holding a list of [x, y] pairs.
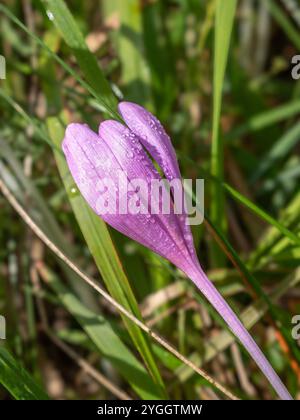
{"points": [[215, 298]]}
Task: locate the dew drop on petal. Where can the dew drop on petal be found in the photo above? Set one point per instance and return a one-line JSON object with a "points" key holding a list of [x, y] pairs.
{"points": [[129, 154]]}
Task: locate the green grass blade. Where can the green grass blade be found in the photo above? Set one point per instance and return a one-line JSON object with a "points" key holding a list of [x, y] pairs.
{"points": [[39, 211], [160, 59], [265, 119], [72, 35], [263, 214], [225, 12], [104, 106], [258, 211], [290, 30], [17, 380], [25, 116], [100, 244], [106, 340], [130, 46], [279, 150], [274, 241]]}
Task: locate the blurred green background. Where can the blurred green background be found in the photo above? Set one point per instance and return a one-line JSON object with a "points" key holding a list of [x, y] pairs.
{"points": [[217, 73]]}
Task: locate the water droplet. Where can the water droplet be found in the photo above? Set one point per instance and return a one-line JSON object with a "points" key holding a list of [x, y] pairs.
{"points": [[129, 154], [187, 237], [181, 218], [99, 163], [103, 190], [74, 191], [50, 15], [161, 234]]}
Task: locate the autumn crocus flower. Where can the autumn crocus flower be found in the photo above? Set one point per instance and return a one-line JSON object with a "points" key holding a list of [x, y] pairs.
{"points": [[123, 149]]}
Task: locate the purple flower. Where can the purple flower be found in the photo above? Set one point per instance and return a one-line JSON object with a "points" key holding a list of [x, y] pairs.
{"points": [[106, 167]]}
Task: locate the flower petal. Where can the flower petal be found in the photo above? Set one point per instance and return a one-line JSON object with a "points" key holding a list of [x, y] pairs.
{"points": [[90, 160], [131, 156], [153, 136], [157, 142]]}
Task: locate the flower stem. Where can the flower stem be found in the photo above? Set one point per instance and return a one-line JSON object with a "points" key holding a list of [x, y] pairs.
{"points": [[215, 298]]}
